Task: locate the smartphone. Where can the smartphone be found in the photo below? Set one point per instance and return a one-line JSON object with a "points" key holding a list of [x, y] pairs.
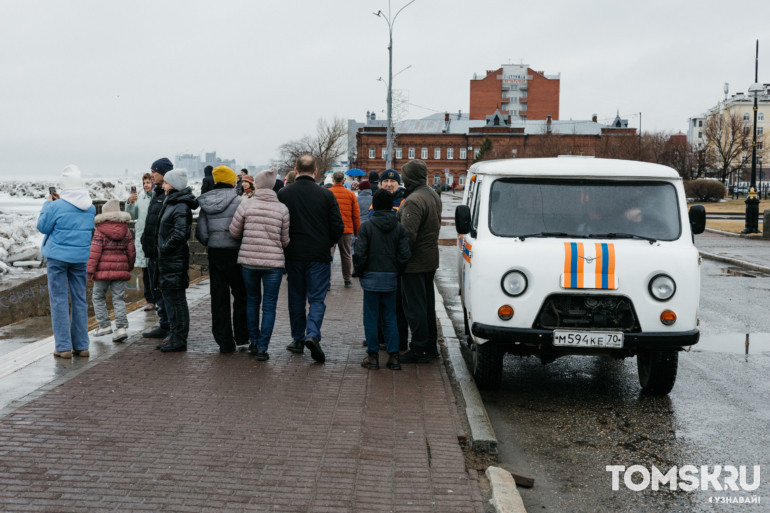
{"points": [[133, 189], [52, 191]]}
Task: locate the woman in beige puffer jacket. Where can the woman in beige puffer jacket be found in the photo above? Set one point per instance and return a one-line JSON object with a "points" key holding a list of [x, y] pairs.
{"points": [[261, 223]]}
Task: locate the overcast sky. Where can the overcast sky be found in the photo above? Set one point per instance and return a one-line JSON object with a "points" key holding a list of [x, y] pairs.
{"points": [[113, 85]]}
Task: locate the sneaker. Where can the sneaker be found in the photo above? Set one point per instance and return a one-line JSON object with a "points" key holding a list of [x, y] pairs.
{"points": [[100, 332], [348, 284], [253, 349], [81, 352], [262, 356], [155, 332], [412, 356], [160, 346], [63, 354], [315, 349], [120, 335]]}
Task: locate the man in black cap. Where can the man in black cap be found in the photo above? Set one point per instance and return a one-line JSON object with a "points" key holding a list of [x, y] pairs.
{"points": [[420, 213], [150, 247], [374, 177]]}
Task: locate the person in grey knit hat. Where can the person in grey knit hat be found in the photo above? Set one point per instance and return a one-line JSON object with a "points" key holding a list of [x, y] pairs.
{"points": [[420, 214], [176, 178]]}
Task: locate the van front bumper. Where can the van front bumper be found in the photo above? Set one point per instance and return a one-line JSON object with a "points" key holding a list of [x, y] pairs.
{"points": [[631, 341]]}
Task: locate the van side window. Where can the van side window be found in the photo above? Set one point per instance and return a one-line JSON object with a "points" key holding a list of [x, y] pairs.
{"points": [[475, 206]]}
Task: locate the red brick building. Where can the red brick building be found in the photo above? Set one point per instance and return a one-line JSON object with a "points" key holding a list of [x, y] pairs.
{"points": [[449, 145], [515, 90]]}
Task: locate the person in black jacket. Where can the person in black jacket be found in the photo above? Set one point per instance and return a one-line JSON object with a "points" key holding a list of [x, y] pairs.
{"points": [[382, 251], [316, 225], [208, 179], [150, 247], [174, 255]]}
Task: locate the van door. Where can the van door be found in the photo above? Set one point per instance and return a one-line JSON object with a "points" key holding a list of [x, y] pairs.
{"points": [[473, 200]]}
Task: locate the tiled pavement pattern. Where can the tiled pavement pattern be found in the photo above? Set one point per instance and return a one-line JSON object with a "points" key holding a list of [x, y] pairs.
{"points": [[200, 431]]}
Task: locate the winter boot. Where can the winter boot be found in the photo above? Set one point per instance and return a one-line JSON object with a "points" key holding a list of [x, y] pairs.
{"points": [[394, 362], [371, 362]]}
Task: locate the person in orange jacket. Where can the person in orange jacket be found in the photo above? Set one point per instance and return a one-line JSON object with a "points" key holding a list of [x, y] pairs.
{"points": [[351, 217]]}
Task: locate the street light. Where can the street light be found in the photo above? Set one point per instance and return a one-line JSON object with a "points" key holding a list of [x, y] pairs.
{"points": [[390, 21], [752, 202]]}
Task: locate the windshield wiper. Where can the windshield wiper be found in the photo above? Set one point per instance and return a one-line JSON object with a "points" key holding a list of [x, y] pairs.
{"points": [[548, 234], [651, 240]]}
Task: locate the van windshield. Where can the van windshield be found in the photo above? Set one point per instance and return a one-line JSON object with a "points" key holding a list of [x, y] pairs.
{"points": [[584, 209]]}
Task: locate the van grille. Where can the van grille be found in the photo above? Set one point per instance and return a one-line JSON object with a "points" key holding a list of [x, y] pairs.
{"points": [[587, 311]]}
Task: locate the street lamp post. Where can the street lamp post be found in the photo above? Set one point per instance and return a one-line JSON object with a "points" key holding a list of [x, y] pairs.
{"points": [[752, 202], [390, 21]]}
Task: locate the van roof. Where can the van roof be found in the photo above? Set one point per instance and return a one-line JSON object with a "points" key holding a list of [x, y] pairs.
{"points": [[573, 167]]}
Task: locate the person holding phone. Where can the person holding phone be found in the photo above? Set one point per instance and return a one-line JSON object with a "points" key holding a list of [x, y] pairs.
{"points": [[67, 221], [137, 205]]}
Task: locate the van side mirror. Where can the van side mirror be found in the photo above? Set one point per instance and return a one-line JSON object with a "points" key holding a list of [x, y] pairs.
{"points": [[697, 215], [463, 219]]}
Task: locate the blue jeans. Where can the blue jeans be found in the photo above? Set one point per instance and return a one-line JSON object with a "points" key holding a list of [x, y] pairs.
{"points": [[262, 286], [380, 307], [70, 331], [308, 283]]}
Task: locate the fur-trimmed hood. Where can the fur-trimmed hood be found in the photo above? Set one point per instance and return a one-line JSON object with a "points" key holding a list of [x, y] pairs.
{"points": [[115, 217]]}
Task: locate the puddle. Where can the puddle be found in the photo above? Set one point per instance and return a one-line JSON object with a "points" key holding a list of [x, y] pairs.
{"points": [[734, 343], [741, 272]]}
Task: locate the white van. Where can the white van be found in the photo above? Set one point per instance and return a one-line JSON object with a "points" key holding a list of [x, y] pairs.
{"points": [[582, 256]]}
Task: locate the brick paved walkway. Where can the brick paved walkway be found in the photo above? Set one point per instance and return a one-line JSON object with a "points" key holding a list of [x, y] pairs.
{"points": [[200, 431]]}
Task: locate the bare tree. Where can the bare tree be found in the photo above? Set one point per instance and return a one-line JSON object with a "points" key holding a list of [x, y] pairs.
{"points": [[326, 146], [726, 139]]}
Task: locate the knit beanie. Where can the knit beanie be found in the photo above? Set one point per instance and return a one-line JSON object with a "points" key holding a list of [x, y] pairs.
{"points": [[265, 179], [70, 177], [391, 174], [382, 200], [112, 205], [223, 174], [364, 186], [162, 166], [415, 173], [373, 177], [249, 179], [176, 178]]}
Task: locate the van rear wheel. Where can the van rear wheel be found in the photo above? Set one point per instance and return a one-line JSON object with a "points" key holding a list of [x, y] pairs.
{"points": [[488, 365], [657, 371]]}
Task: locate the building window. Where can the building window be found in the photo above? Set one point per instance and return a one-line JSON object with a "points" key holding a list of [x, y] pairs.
{"points": [[437, 153], [398, 153], [461, 180], [760, 130], [436, 179], [700, 123], [476, 152], [371, 153], [411, 153], [514, 153], [745, 131], [424, 154], [450, 153], [745, 116], [761, 116], [463, 154], [760, 146], [700, 135], [382, 153]]}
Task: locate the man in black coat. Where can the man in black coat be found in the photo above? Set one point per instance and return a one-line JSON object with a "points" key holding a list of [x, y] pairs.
{"points": [[150, 247], [208, 179], [316, 225]]}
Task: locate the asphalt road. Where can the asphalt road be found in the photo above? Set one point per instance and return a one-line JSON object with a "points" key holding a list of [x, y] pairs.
{"points": [[564, 423]]}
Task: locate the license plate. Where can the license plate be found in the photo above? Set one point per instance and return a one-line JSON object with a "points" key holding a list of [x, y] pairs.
{"points": [[611, 339]]}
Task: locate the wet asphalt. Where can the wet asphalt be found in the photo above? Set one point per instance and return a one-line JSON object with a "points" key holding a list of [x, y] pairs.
{"points": [[563, 423]]}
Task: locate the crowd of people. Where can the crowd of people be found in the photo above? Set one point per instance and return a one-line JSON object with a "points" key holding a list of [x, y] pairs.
{"points": [[256, 229]]}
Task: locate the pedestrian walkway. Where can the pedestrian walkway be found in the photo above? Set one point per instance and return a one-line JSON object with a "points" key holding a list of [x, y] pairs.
{"points": [[203, 431], [734, 250]]}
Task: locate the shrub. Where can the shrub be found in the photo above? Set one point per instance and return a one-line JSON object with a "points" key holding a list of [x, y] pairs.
{"points": [[704, 190]]}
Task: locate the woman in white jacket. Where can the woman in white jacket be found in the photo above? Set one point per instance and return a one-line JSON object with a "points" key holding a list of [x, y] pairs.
{"points": [[136, 205]]}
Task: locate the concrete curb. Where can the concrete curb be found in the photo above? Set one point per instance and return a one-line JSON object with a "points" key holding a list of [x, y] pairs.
{"points": [[505, 496], [734, 261], [482, 435]]}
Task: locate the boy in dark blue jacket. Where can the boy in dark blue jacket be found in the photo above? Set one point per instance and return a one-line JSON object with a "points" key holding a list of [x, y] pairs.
{"points": [[381, 252]]}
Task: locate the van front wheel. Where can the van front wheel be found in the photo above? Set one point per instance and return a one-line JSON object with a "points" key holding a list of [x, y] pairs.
{"points": [[657, 371], [487, 365]]}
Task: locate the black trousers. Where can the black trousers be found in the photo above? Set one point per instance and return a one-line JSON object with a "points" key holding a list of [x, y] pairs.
{"points": [[403, 327], [420, 309], [228, 327], [176, 302], [147, 283]]}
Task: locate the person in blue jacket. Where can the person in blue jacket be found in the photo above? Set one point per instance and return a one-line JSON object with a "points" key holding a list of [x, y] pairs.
{"points": [[66, 220]]}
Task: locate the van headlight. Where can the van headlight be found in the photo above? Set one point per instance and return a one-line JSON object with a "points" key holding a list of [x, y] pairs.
{"points": [[662, 287], [514, 283]]}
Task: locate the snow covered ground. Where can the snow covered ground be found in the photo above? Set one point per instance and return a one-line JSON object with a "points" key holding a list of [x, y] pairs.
{"points": [[20, 204]]}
